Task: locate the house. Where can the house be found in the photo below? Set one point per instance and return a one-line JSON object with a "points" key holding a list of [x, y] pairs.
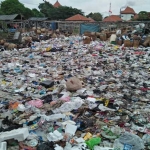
{"points": [[127, 14], [57, 4], [112, 18], [78, 17]]}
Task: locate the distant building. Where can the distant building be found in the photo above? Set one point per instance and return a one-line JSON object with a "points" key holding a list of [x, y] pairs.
{"points": [[112, 18], [57, 4], [78, 17], [127, 14]]}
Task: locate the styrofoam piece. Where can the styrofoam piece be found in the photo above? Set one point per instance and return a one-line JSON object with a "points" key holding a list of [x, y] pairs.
{"points": [[55, 136], [18, 134], [71, 129], [3, 146]]}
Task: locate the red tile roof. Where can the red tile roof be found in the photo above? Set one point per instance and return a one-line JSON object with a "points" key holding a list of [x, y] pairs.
{"points": [[91, 20], [77, 17], [57, 4], [136, 16], [112, 18], [128, 10]]}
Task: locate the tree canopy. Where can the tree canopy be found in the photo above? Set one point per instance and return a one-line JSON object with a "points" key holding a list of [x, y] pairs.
{"points": [[96, 16], [143, 15], [12, 7], [59, 13], [37, 13], [16, 8], [46, 9]]}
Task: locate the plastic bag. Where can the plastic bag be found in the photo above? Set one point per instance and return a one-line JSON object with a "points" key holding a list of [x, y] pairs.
{"points": [[54, 117], [92, 142], [133, 140], [69, 106]]}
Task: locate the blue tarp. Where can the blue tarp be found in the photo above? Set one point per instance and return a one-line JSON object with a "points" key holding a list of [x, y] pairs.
{"points": [[89, 27], [11, 30], [53, 25]]}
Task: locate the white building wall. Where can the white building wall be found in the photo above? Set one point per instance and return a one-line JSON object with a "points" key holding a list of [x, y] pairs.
{"points": [[127, 17]]}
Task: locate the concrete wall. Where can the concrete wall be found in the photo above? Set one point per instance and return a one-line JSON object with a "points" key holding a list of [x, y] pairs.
{"points": [[127, 17]]}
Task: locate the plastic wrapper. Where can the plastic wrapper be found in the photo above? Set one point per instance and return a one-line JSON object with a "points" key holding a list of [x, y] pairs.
{"points": [[54, 117], [69, 106]]}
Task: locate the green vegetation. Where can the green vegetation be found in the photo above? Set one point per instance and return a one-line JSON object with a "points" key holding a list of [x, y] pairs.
{"points": [[18, 8], [60, 13], [143, 15], [96, 16], [46, 9]]}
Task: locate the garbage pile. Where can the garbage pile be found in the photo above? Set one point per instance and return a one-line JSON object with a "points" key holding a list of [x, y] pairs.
{"points": [[62, 94]]}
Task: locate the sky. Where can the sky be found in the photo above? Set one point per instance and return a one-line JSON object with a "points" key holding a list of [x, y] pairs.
{"points": [[101, 6]]}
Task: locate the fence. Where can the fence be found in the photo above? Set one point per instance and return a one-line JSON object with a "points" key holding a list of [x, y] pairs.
{"points": [[75, 26]]}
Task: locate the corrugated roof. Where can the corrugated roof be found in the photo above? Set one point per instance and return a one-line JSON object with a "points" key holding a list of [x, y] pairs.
{"points": [[8, 17], [112, 18], [128, 10], [57, 4], [37, 19], [78, 17]]}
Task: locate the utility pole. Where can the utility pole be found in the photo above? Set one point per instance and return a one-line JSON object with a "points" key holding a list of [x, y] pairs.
{"points": [[110, 12], [21, 21]]}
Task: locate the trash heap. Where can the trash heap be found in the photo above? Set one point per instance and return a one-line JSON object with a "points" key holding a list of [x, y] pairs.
{"points": [[61, 94]]}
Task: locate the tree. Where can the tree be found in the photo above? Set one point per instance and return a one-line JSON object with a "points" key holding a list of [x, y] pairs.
{"points": [[143, 15], [37, 13], [60, 13], [65, 12], [18, 8], [96, 16], [12, 7], [28, 13], [1, 12], [89, 15], [106, 17], [46, 10], [45, 7]]}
